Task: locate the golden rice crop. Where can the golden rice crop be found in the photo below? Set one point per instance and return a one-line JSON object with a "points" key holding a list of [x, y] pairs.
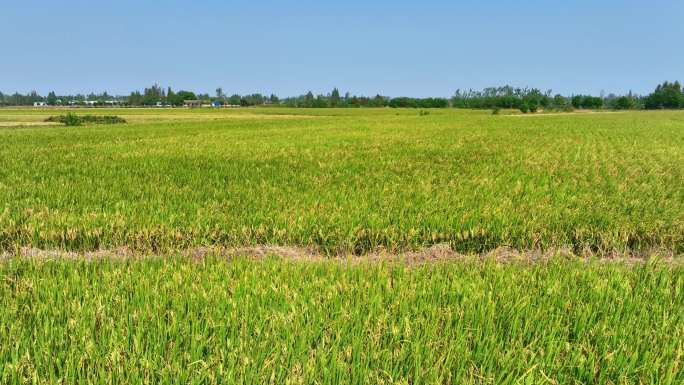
{"points": [[346, 181]]}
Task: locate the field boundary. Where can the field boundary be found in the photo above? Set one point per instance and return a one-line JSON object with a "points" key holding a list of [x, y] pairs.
{"points": [[564, 113], [433, 254]]}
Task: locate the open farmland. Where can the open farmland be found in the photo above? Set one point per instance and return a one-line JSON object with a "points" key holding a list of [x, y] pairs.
{"points": [[344, 181], [377, 246]]}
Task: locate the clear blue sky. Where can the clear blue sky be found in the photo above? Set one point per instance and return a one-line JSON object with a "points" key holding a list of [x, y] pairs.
{"points": [[412, 48]]}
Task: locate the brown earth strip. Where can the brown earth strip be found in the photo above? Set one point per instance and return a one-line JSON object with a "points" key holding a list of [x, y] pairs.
{"points": [[433, 254]]}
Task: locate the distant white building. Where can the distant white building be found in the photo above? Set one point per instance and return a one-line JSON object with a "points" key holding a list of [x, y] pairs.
{"points": [[39, 104]]}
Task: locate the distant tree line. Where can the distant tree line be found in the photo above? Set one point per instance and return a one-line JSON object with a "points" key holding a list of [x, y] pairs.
{"points": [[532, 99], [668, 95], [525, 99], [404, 102], [17, 99], [334, 100]]}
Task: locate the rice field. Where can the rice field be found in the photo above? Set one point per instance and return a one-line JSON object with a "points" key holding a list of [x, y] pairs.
{"points": [[274, 321], [381, 246], [344, 181]]}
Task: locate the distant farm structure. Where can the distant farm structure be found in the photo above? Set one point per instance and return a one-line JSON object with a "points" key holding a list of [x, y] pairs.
{"points": [[188, 103], [192, 103]]}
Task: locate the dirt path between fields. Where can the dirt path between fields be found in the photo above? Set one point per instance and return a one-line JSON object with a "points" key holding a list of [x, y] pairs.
{"points": [[433, 254], [564, 113], [27, 124]]}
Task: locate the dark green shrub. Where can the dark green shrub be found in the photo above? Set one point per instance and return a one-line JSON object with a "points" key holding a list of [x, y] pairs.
{"points": [[534, 107], [524, 108], [623, 103], [71, 119], [102, 119], [55, 119], [404, 102], [496, 111]]}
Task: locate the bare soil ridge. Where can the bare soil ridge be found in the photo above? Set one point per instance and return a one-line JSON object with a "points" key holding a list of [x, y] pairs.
{"points": [[432, 254]]}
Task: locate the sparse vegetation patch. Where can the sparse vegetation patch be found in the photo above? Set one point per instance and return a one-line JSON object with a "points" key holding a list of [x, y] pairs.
{"points": [[71, 119]]}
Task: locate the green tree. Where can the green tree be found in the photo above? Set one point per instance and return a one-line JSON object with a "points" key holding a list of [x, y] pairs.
{"points": [[182, 96], [576, 101], [666, 95], [153, 95], [623, 103], [135, 99], [308, 99], [51, 98], [171, 97], [234, 100], [593, 102], [378, 101], [335, 97], [559, 101]]}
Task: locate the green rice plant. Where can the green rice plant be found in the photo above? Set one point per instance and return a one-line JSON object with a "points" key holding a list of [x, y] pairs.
{"points": [[347, 181], [175, 321]]}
